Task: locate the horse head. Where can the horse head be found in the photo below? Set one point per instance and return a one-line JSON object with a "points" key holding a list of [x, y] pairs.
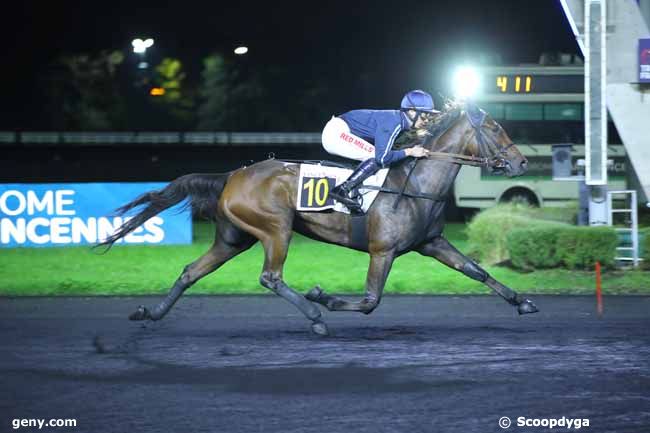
{"points": [[479, 141], [488, 140]]}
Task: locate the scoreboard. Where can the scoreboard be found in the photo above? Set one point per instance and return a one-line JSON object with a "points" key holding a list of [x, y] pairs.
{"points": [[531, 84]]}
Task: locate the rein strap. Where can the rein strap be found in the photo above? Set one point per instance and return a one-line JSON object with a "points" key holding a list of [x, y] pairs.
{"points": [[455, 158]]}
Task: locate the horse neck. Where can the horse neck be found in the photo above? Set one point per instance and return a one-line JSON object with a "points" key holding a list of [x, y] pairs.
{"points": [[437, 177]]}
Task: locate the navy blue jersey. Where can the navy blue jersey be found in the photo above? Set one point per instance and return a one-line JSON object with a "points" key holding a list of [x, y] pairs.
{"points": [[381, 128]]}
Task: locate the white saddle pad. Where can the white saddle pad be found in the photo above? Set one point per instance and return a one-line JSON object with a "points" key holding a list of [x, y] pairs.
{"points": [[316, 181]]}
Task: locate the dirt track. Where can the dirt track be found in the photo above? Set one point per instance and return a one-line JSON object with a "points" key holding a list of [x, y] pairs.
{"points": [[234, 364]]}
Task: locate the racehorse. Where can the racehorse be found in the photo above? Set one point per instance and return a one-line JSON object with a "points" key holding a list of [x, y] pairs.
{"points": [[258, 203]]}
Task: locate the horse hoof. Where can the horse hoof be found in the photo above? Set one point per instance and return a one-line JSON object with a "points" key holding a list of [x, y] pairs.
{"points": [[320, 328], [314, 294], [140, 314], [527, 307]]}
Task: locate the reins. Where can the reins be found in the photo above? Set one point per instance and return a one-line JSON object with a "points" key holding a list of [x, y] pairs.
{"points": [[406, 182], [456, 158]]}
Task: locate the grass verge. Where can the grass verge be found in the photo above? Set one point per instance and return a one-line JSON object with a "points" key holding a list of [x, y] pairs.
{"points": [[146, 270]]}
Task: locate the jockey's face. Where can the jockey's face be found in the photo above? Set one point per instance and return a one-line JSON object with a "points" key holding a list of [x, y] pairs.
{"points": [[422, 119]]}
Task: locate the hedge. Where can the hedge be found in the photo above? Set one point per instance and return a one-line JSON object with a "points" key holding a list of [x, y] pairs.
{"points": [[570, 246], [534, 247], [644, 247], [488, 229]]}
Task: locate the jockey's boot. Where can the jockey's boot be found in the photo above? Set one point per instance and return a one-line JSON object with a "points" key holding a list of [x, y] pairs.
{"points": [[341, 193]]}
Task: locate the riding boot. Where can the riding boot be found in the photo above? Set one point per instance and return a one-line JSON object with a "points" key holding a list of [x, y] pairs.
{"points": [[341, 193]]}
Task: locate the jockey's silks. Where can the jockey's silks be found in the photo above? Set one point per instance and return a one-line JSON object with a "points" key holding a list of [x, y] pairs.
{"points": [[380, 127]]}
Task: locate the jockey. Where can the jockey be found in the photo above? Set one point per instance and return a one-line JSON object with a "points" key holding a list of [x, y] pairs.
{"points": [[350, 135]]}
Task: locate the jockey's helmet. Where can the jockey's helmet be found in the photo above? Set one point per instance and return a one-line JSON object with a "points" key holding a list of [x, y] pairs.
{"points": [[418, 100]]}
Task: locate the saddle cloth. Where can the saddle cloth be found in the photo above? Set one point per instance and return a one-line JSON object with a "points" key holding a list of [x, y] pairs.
{"points": [[316, 181]]}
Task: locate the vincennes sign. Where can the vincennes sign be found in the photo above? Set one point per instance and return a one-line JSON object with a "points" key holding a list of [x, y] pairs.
{"points": [[35, 215]]}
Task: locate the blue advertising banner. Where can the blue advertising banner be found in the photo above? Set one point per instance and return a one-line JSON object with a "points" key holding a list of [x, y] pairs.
{"points": [[644, 60], [66, 214]]}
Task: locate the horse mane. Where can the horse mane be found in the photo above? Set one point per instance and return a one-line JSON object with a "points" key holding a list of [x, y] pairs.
{"points": [[449, 114]]}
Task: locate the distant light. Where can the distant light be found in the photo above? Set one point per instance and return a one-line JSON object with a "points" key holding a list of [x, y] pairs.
{"points": [[143, 65], [140, 46], [466, 82], [157, 91], [241, 50]]}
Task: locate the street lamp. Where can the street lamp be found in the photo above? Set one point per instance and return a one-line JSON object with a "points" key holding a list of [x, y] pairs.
{"points": [[241, 50], [230, 123], [140, 46]]}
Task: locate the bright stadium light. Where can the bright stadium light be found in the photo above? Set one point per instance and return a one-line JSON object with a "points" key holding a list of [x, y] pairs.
{"points": [[241, 50], [140, 46], [466, 82]]}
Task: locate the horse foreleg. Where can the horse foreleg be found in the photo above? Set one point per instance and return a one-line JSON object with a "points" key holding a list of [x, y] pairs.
{"points": [[446, 253], [380, 265], [228, 243]]}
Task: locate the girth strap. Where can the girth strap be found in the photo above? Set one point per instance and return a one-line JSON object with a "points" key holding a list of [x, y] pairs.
{"points": [[406, 194]]}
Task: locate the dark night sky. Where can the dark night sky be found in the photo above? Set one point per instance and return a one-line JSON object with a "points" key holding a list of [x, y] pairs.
{"points": [[394, 45]]}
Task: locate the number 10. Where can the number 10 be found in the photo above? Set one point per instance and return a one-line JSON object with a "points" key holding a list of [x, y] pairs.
{"points": [[321, 191]]}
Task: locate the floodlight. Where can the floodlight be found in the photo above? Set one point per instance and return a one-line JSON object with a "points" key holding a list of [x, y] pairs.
{"points": [[140, 46], [241, 50], [466, 82]]}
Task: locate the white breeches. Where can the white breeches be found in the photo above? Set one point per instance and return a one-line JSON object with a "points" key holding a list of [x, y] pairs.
{"points": [[338, 140]]}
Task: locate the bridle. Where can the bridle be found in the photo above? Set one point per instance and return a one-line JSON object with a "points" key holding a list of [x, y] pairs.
{"points": [[497, 161]]}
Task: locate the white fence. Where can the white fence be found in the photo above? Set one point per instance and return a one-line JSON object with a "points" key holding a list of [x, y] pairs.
{"points": [[159, 138]]}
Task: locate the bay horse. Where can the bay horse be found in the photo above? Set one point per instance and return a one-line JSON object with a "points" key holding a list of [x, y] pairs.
{"points": [[258, 203]]}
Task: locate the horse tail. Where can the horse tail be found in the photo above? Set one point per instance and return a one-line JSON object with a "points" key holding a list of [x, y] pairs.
{"points": [[203, 191]]}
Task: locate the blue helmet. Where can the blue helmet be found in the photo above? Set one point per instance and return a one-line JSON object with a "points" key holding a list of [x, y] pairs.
{"points": [[418, 100]]}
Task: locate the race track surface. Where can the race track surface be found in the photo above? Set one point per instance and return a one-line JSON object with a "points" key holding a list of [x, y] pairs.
{"points": [[249, 364]]}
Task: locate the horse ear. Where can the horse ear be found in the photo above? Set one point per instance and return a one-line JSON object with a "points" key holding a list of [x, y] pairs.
{"points": [[475, 114], [472, 108]]}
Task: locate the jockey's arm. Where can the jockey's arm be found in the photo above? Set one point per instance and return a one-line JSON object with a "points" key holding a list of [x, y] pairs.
{"points": [[384, 154]]}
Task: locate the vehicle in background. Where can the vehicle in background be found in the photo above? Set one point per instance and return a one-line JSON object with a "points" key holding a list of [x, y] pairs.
{"points": [[475, 187]]}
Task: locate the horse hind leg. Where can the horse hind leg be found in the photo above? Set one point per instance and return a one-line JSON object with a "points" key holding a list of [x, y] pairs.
{"points": [[275, 255], [229, 242], [267, 213], [380, 265]]}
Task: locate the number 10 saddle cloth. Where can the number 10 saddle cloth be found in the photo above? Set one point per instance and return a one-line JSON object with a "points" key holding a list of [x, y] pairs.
{"points": [[316, 181]]}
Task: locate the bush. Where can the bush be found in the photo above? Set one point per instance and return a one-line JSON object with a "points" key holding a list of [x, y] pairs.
{"points": [[535, 247], [582, 247], [644, 247], [547, 245], [567, 214], [487, 235], [488, 230]]}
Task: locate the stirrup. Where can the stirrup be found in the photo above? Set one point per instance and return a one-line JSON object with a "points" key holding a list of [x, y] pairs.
{"points": [[350, 203]]}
